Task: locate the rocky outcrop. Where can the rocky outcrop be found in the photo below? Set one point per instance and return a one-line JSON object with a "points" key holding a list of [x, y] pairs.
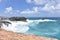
{"points": [[13, 18], [4, 22], [17, 19]]}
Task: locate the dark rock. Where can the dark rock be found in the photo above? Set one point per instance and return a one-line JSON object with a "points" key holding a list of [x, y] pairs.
{"points": [[4, 22], [17, 19]]}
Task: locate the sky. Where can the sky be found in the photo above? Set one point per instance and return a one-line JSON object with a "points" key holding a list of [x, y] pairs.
{"points": [[30, 8]]}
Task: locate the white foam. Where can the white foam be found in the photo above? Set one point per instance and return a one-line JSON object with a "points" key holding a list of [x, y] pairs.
{"points": [[16, 26], [40, 20], [20, 26]]}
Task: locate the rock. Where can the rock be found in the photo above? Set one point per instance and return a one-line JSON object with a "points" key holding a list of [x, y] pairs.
{"points": [[17, 19], [13, 18], [4, 22]]}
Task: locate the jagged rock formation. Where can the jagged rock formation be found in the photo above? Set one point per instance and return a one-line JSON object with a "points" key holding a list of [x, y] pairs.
{"points": [[17, 19]]}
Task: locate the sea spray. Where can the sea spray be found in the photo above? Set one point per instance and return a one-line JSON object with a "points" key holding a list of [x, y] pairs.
{"points": [[16, 26], [45, 27], [21, 26]]}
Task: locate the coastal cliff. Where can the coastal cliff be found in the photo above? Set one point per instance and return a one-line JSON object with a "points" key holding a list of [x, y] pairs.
{"points": [[8, 35]]}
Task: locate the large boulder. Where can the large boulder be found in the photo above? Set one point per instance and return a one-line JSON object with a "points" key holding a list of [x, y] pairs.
{"points": [[17, 19]]}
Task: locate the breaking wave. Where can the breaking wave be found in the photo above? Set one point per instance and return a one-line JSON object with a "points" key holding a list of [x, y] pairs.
{"points": [[41, 27], [16, 26], [20, 26]]}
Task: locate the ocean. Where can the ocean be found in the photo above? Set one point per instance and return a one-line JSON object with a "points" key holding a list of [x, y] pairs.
{"points": [[47, 27]]}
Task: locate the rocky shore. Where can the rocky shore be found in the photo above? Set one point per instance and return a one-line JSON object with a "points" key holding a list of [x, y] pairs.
{"points": [[8, 35], [3, 20]]}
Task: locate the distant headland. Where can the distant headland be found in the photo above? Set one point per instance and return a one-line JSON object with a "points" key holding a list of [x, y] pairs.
{"points": [[13, 18]]}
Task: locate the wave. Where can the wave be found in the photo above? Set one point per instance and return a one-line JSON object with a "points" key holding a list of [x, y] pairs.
{"points": [[41, 27], [41, 20], [16, 26], [20, 26]]}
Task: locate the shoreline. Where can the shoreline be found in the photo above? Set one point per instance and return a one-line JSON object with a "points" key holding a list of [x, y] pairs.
{"points": [[9, 35]]}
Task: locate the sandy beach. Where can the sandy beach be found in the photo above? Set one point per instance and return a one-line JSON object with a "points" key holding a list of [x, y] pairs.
{"points": [[8, 35]]}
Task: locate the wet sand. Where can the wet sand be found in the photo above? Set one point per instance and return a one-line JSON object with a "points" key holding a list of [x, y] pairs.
{"points": [[8, 35]]}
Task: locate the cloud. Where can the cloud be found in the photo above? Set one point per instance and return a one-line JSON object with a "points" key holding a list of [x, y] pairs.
{"points": [[37, 2], [42, 2], [28, 11], [49, 5], [10, 10], [51, 8]]}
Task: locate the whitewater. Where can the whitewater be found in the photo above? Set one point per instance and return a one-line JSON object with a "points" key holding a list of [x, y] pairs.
{"points": [[21, 26], [40, 27]]}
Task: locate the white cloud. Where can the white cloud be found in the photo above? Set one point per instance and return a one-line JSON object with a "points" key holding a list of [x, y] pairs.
{"points": [[49, 5], [38, 2], [51, 8], [48, 8], [28, 11], [42, 2], [8, 10], [35, 9]]}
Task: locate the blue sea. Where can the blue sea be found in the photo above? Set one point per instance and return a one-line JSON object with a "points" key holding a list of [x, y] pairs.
{"points": [[47, 27]]}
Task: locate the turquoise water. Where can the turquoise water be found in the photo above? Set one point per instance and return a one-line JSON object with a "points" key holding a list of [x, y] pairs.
{"points": [[47, 28]]}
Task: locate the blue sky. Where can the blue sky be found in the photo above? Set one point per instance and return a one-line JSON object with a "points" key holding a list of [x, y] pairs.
{"points": [[30, 8]]}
